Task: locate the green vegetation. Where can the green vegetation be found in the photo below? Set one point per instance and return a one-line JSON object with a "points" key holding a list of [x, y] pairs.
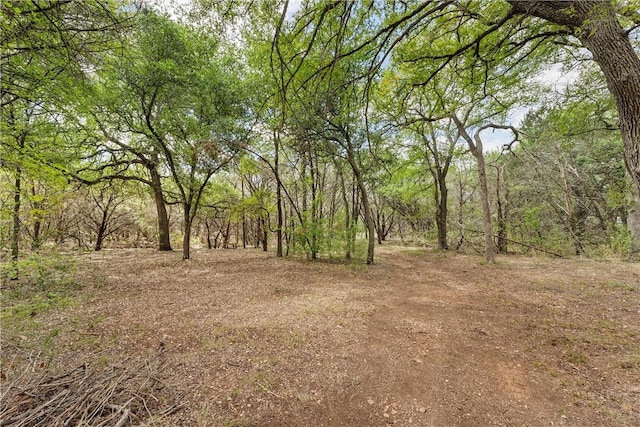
{"points": [[319, 131], [47, 283]]}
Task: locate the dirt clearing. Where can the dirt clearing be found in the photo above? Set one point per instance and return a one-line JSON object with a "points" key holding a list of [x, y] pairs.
{"points": [[421, 338]]}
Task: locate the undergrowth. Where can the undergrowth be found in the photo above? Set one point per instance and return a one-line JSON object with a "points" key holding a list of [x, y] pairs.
{"points": [[43, 283]]}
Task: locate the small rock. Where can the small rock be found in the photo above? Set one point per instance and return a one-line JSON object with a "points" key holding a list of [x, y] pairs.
{"points": [[370, 401], [385, 415], [422, 409], [416, 360]]}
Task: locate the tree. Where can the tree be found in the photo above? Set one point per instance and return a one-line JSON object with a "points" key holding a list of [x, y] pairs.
{"points": [[501, 35], [30, 152], [598, 27], [172, 102], [434, 138], [106, 216], [572, 147]]}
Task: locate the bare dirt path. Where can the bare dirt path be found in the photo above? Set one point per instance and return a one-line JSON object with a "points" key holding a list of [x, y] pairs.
{"points": [[420, 338]]}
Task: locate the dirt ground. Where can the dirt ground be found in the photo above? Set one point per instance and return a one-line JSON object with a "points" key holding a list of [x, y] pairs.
{"points": [[421, 338]]}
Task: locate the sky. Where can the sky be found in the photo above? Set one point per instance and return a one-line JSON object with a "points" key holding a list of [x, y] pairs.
{"points": [[556, 79], [294, 5]]}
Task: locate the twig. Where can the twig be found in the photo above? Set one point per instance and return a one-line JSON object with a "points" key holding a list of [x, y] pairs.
{"points": [[19, 377], [83, 397], [122, 420], [269, 391]]}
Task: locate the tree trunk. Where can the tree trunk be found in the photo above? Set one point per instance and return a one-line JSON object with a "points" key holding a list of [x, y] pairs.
{"points": [[37, 224], [102, 228], [313, 172], [379, 226], [355, 212], [596, 25], [208, 227], [244, 217], [476, 148], [186, 239], [441, 195], [347, 213], [503, 209], [164, 242], [633, 221], [265, 235], [461, 204], [15, 236], [276, 172], [489, 247], [368, 218]]}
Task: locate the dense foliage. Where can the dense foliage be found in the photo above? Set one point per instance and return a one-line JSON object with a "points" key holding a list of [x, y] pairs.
{"points": [[332, 127]]}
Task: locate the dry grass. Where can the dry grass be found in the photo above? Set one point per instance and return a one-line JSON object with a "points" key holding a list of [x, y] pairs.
{"points": [[420, 338]]}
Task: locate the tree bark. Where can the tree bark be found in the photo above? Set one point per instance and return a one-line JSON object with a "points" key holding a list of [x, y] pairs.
{"points": [[102, 228], [15, 236], [265, 235], [276, 172], [37, 224], [633, 221], [371, 228], [186, 238], [597, 27], [489, 247], [164, 242], [441, 194], [502, 209], [208, 227], [476, 148], [347, 213]]}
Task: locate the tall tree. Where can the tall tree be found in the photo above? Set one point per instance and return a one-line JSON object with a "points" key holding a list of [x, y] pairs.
{"points": [[604, 28], [172, 103], [502, 34]]}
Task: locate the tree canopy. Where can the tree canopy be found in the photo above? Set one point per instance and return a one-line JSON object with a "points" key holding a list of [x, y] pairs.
{"points": [[334, 125]]}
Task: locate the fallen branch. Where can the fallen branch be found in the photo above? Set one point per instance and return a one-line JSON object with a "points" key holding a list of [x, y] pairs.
{"points": [[526, 245], [269, 391], [119, 395]]}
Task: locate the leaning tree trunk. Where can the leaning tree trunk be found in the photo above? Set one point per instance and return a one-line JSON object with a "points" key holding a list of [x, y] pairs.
{"points": [[368, 218], [597, 27], [621, 66], [476, 148], [164, 242]]}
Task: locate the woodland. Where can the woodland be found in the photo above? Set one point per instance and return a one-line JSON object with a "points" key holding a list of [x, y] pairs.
{"points": [[320, 129], [319, 212]]}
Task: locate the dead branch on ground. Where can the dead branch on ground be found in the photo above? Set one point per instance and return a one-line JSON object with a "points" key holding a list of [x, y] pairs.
{"points": [[122, 394]]}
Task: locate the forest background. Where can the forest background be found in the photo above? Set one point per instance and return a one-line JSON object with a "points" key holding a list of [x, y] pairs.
{"points": [[326, 126]]}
